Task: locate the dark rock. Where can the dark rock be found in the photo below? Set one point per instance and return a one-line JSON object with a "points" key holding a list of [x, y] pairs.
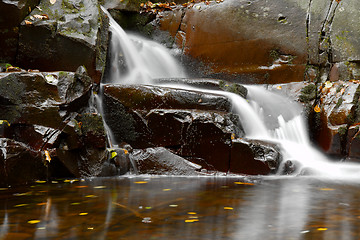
{"points": [[12, 14], [19, 164], [71, 33], [353, 142], [151, 97], [254, 157], [162, 162]]}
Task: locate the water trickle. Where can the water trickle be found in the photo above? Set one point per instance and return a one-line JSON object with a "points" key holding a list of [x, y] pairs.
{"points": [[264, 115]]}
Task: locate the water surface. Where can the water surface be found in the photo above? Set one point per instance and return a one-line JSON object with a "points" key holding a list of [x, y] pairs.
{"points": [[146, 207]]}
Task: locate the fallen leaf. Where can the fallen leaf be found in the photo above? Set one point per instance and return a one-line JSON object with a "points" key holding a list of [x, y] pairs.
{"points": [[52, 1], [191, 220], [278, 87], [81, 186], [34, 221], [328, 84], [83, 214], [327, 189], [191, 213], [173, 205], [317, 108], [166, 189], [21, 205], [322, 229], [28, 22], [228, 208], [38, 181], [4, 122], [141, 182], [47, 156], [244, 183], [91, 196], [99, 187]]}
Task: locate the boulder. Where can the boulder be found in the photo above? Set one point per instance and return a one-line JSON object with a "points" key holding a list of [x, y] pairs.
{"points": [[219, 35], [12, 14], [254, 157], [161, 161], [63, 36], [19, 164]]}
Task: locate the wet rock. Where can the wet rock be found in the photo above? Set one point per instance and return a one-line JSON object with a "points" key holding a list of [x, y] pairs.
{"points": [[63, 36], [19, 164], [345, 32], [12, 14], [162, 162], [151, 97], [210, 33], [353, 143], [174, 128], [42, 98], [254, 157]]}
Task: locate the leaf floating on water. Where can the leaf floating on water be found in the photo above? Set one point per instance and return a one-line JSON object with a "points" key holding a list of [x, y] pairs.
{"points": [[82, 186], [83, 214], [34, 221], [166, 189], [322, 229], [191, 220], [244, 183], [75, 203], [2, 189], [191, 213], [91, 196], [21, 205], [141, 182], [148, 208], [173, 205], [41, 204], [99, 187], [228, 208], [317, 108], [90, 228], [39, 181], [327, 189]]}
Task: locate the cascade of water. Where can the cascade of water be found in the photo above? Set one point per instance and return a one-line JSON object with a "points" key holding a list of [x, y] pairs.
{"points": [[265, 116], [135, 60]]}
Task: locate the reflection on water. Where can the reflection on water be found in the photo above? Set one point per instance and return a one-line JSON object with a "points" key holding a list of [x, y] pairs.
{"points": [[181, 208]]}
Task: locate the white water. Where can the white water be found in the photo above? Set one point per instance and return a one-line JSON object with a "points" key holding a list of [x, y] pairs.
{"points": [[265, 116]]}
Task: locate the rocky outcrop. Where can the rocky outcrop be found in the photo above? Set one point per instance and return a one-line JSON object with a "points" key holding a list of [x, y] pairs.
{"points": [[59, 36], [48, 116], [195, 125]]}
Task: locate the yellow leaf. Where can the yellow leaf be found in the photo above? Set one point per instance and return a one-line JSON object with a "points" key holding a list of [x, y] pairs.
{"points": [[191, 220], [278, 87], [141, 182], [28, 22], [47, 156], [21, 205], [91, 196], [233, 136], [191, 213], [166, 189], [75, 203], [322, 229], [4, 122], [113, 154], [173, 205], [228, 208], [52, 1], [328, 84], [317, 108], [40, 181], [34, 221], [83, 214], [99, 187], [327, 189], [244, 183]]}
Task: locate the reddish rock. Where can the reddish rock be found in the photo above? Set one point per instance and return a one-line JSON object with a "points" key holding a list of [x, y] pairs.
{"points": [[19, 164]]}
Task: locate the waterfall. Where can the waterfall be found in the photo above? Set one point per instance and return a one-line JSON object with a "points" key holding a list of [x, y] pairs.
{"points": [[264, 115]]}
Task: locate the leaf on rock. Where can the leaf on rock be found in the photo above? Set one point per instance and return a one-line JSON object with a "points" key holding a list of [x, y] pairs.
{"points": [[53, 1], [28, 22], [244, 183], [317, 108]]}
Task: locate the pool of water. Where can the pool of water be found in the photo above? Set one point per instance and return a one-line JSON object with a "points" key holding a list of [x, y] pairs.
{"points": [[146, 207]]}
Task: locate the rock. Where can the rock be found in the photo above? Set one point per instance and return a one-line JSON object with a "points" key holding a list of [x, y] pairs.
{"points": [[254, 157], [35, 98], [19, 164], [210, 33], [141, 97], [353, 143], [162, 162], [345, 32], [12, 14], [63, 36]]}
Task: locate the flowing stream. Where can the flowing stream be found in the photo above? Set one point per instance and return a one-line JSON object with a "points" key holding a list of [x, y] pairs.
{"points": [[264, 115]]}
